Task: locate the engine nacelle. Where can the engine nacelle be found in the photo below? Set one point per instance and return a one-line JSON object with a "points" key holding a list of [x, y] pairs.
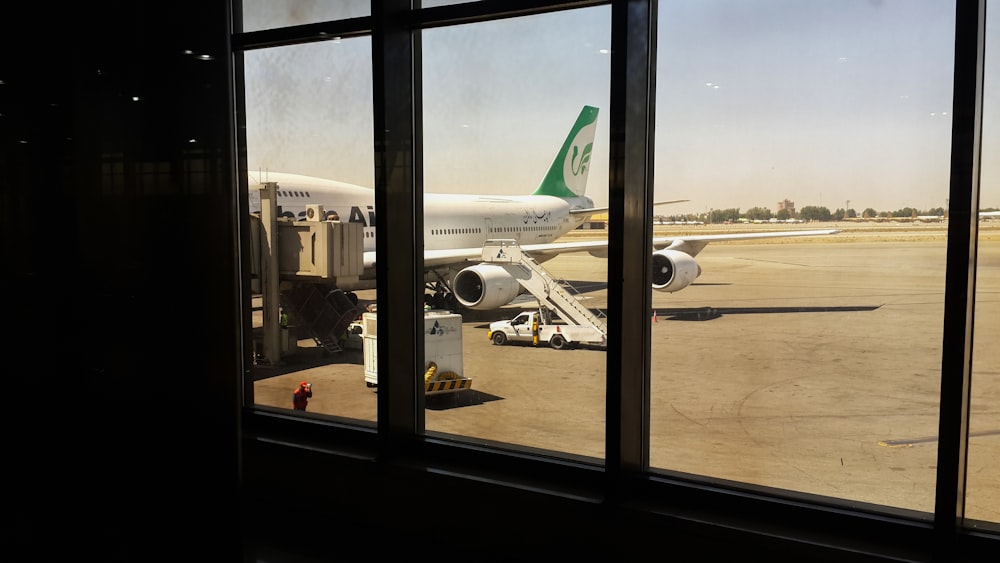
{"points": [[484, 286], [673, 270]]}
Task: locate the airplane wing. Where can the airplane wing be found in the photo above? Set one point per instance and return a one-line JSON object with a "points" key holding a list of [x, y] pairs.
{"points": [[595, 210], [689, 244], [693, 244]]}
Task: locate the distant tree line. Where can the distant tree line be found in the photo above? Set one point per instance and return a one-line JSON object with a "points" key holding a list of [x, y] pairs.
{"points": [[807, 213]]}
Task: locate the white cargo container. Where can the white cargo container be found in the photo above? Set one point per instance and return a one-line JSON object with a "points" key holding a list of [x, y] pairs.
{"points": [[442, 346]]}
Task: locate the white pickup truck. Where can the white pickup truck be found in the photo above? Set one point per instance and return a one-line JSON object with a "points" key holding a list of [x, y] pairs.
{"points": [[528, 327]]}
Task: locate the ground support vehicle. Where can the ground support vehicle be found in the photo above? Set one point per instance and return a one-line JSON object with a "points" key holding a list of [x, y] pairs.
{"points": [[530, 326], [442, 352]]}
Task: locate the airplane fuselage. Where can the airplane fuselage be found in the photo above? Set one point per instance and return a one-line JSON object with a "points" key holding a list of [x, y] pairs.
{"points": [[450, 220]]}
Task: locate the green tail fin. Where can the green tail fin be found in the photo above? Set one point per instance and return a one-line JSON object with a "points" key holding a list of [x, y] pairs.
{"points": [[567, 177]]}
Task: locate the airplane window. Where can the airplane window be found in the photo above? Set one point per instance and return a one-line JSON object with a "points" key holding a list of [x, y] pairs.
{"points": [[810, 365]]}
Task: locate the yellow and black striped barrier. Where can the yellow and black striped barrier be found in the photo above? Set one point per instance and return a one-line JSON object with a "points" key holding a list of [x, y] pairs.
{"points": [[447, 385], [443, 382]]}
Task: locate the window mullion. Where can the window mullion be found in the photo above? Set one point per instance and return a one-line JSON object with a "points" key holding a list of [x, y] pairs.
{"points": [[630, 234], [956, 362], [399, 205]]}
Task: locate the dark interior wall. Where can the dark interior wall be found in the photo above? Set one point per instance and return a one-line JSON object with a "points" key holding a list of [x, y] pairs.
{"points": [[121, 423]]}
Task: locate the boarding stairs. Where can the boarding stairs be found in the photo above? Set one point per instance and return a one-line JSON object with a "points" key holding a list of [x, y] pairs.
{"points": [[552, 294], [324, 312]]}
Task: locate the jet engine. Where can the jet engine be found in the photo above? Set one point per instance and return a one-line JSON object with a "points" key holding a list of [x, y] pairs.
{"points": [[673, 270], [485, 286]]}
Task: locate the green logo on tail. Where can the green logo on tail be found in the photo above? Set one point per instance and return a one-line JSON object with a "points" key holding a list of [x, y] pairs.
{"points": [[567, 177]]}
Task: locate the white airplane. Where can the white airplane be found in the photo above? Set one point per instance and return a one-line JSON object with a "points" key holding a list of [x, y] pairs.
{"points": [[457, 225]]}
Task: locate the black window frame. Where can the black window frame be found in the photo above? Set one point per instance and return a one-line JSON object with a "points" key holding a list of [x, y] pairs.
{"points": [[625, 482]]}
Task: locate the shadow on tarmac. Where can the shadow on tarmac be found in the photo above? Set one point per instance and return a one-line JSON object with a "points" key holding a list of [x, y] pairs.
{"points": [[306, 358], [466, 398], [709, 313]]}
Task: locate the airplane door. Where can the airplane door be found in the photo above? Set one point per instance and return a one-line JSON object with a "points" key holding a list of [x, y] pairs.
{"points": [[489, 228]]}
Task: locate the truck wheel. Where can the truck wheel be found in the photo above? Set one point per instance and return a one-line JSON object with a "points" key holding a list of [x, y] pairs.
{"points": [[557, 342], [499, 338]]}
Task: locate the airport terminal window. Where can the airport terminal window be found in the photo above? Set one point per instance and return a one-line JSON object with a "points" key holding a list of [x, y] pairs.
{"points": [[800, 365], [982, 503], [268, 14], [813, 363], [309, 117], [500, 99]]}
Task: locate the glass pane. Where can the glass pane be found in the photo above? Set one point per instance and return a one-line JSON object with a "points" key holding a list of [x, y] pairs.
{"points": [[503, 101], [269, 14], [806, 363], [983, 471], [310, 131]]}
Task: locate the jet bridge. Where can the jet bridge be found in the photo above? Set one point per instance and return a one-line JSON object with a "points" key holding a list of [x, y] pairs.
{"points": [[552, 295], [298, 265]]}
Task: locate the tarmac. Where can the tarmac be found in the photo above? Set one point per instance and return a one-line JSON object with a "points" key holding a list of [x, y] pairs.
{"points": [[809, 365]]}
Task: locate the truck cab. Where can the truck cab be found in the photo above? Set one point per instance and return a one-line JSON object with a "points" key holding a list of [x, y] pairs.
{"points": [[518, 329]]}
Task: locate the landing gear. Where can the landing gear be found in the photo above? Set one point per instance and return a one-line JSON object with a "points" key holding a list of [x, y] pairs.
{"points": [[442, 298]]}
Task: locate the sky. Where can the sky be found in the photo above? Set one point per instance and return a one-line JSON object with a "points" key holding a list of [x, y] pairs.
{"points": [[833, 104]]}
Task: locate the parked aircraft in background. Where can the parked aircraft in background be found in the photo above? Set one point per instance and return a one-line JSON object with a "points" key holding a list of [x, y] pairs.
{"points": [[457, 225], [940, 218]]}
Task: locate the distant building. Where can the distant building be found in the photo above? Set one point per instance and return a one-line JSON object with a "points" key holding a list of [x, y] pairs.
{"points": [[789, 205]]}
